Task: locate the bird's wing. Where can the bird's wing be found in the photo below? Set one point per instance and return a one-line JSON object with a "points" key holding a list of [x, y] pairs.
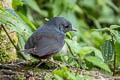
{"points": [[30, 42], [44, 44]]}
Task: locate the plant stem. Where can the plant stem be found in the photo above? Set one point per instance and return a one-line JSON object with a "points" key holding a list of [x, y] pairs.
{"points": [[74, 58], [72, 52], [114, 56], [9, 37], [17, 49]]}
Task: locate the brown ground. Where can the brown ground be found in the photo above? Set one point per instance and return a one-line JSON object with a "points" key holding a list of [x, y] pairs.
{"points": [[25, 71]]}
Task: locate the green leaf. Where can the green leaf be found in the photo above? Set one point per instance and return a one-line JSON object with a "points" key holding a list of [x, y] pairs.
{"points": [[68, 34], [58, 73], [33, 5], [115, 27], [98, 53], [48, 79], [102, 29], [58, 77], [84, 51], [117, 50], [64, 69], [27, 21], [98, 62], [112, 5], [78, 9], [21, 41], [74, 45], [15, 23], [116, 35], [2, 8], [107, 49], [16, 3]]}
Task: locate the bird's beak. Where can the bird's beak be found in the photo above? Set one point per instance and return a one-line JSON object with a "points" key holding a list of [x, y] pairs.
{"points": [[73, 29]]}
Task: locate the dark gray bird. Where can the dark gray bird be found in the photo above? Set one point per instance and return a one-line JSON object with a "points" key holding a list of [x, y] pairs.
{"points": [[48, 40]]}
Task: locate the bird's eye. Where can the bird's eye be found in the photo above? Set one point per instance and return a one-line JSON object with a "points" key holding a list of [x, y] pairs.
{"points": [[66, 26]]}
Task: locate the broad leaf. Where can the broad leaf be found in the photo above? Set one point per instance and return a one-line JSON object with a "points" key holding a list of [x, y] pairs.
{"points": [[117, 52], [33, 5], [115, 27], [98, 62], [107, 49]]}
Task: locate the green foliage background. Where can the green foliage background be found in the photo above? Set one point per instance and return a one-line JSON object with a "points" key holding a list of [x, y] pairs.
{"points": [[97, 41]]}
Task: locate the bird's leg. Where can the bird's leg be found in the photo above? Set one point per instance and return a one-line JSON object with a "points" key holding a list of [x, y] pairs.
{"points": [[57, 63], [54, 62], [42, 61]]}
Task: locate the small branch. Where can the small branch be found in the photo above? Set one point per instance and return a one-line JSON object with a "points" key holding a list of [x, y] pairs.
{"points": [[9, 37], [114, 64], [73, 56], [10, 66], [17, 49], [70, 49], [72, 52]]}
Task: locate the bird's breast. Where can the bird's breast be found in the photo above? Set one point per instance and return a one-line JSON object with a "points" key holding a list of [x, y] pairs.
{"points": [[60, 40]]}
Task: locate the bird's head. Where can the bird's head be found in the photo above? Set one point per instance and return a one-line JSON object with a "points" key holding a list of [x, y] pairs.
{"points": [[62, 24]]}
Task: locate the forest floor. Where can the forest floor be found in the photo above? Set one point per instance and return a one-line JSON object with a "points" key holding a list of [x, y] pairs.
{"points": [[21, 70]]}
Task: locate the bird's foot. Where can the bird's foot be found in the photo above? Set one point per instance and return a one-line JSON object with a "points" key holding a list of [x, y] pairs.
{"points": [[55, 62], [58, 64], [51, 61], [42, 61]]}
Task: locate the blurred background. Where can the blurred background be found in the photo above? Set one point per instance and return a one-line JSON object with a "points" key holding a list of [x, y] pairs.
{"points": [[85, 15], [86, 48]]}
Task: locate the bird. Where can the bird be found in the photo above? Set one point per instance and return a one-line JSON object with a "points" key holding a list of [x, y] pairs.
{"points": [[48, 39]]}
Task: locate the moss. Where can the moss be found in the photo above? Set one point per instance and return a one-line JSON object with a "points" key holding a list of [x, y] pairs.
{"points": [[20, 77], [7, 50]]}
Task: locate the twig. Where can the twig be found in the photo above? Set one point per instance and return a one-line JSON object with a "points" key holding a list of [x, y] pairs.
{"points": [[72, 52], [70, 49], [13, 42], [10, 66], [9, 37], [73, 56]]}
